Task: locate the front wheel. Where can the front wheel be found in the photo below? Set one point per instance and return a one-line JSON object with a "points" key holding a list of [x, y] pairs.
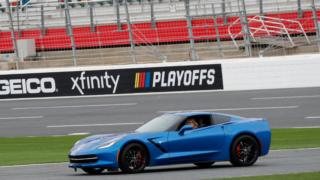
{"points": [[93, 171], [133, 158], [244, 151], [204, 164]]}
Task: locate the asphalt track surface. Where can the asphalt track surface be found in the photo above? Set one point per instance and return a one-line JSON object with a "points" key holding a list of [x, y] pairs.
{"points": [[279, 162], [94, 115], [283, 107]]}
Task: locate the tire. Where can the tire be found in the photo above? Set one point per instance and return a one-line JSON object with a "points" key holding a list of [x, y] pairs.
{"points": [[204, 164], [245, 151], [133, 158], [93, 171]]}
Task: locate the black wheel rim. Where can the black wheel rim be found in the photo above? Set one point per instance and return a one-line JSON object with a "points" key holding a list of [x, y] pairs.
{"points": [[246, 151], [135, 158]]}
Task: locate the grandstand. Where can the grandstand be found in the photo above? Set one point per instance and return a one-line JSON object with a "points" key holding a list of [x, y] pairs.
{"points": [[156, 31]]}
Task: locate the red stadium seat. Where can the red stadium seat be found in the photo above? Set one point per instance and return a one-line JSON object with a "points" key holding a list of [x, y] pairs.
{"points": [[165, 32]]}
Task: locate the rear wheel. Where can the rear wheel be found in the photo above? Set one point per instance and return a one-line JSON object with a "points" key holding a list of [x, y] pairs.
{"points": [[204, 164], [245, 151], [133, 158], [93, 171]]}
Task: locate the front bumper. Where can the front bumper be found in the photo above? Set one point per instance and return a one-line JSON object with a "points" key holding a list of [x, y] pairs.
{"points": [[107, 159]]}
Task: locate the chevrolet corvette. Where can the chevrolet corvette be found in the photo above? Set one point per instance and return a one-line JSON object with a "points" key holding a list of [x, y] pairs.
{"points": [[201, 138]]}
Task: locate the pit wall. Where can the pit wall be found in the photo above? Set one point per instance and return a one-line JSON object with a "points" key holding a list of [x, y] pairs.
{"points": [[236, 74], [272, 73]]}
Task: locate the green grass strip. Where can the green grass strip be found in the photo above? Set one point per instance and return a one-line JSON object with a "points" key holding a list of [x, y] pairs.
{"points": [[295, 176], [295, 138], [34, 150]]}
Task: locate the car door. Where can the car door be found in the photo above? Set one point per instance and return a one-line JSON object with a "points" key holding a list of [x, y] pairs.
{"points": [[195, 145]]}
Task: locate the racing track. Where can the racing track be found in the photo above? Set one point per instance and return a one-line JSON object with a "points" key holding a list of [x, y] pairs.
{"points": [[289, 161], [284, 108]]}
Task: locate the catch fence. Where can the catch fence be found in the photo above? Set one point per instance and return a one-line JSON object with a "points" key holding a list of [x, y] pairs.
{"points": [[121, 31]]}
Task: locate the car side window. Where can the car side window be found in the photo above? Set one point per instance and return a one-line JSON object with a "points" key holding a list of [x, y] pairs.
{"points": [[197, 121], [220, 119]]}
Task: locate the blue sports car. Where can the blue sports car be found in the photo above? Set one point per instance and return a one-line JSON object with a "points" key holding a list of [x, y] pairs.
{"points": [[201, 138]]}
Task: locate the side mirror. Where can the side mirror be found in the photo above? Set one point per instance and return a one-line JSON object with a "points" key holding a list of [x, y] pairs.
{"points": [[184, 129]]}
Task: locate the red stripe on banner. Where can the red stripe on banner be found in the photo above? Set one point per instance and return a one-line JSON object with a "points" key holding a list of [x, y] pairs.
{"points": [[140, 80], [143, 77], [143, 80]]}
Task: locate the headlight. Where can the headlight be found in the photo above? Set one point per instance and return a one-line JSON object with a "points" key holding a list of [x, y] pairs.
{"points": [[75, 146], [106, 145], [110, 143]]}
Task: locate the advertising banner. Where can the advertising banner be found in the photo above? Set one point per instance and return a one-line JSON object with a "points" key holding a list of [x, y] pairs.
{"points": [[114, 81]]}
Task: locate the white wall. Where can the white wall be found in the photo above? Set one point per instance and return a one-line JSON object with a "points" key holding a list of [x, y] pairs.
{"points": [[272, 73], [238, 74]]}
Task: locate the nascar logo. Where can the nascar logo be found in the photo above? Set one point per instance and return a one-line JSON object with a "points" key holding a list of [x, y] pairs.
{"points": [[142, 80], [175, 78]]}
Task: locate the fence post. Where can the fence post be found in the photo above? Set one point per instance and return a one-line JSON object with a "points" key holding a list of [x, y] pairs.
{"points": [[43, 29], [215, 23], [70, 31], [194, 55], [13, 36], [223, 9], [117, 8], [300, 14], [132, 44], [18, 19], [316, 22], [153, 22], [245, 28], [261, 7], [66, 22], [92, 26]]}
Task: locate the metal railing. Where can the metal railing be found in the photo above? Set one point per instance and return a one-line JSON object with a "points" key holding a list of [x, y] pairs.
{"points": [[270, 26], [181, 30]]}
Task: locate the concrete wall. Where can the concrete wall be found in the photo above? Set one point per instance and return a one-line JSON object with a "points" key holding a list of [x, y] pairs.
{"points": [[271, 73], [238, 74]]}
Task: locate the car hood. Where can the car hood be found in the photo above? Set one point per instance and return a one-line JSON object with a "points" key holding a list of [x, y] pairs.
{"points": [[95, 141]]}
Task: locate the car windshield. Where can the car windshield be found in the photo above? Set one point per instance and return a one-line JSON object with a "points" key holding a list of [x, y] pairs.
{"points": [[161, 123]]}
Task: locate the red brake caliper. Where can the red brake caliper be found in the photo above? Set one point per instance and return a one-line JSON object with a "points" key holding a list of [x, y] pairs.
{"points": [[139, 157], [238, 150]]}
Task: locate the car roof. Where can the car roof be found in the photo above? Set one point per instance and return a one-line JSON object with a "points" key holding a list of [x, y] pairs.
{"points": [[194, 113]]}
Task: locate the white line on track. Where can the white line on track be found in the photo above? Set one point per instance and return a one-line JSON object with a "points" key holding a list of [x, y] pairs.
{"points": [[78, 134], [119, 95], [312, 117], [297, 127], [149, 94], [305, 127], [65, 163], [22, 117], [93, 125], [236, 109], [30, 165], [74, 106], [285, 97], [297, 149]]}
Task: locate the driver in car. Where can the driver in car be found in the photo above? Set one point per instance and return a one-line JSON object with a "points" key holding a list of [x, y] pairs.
{"points": [[192, 123]]}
